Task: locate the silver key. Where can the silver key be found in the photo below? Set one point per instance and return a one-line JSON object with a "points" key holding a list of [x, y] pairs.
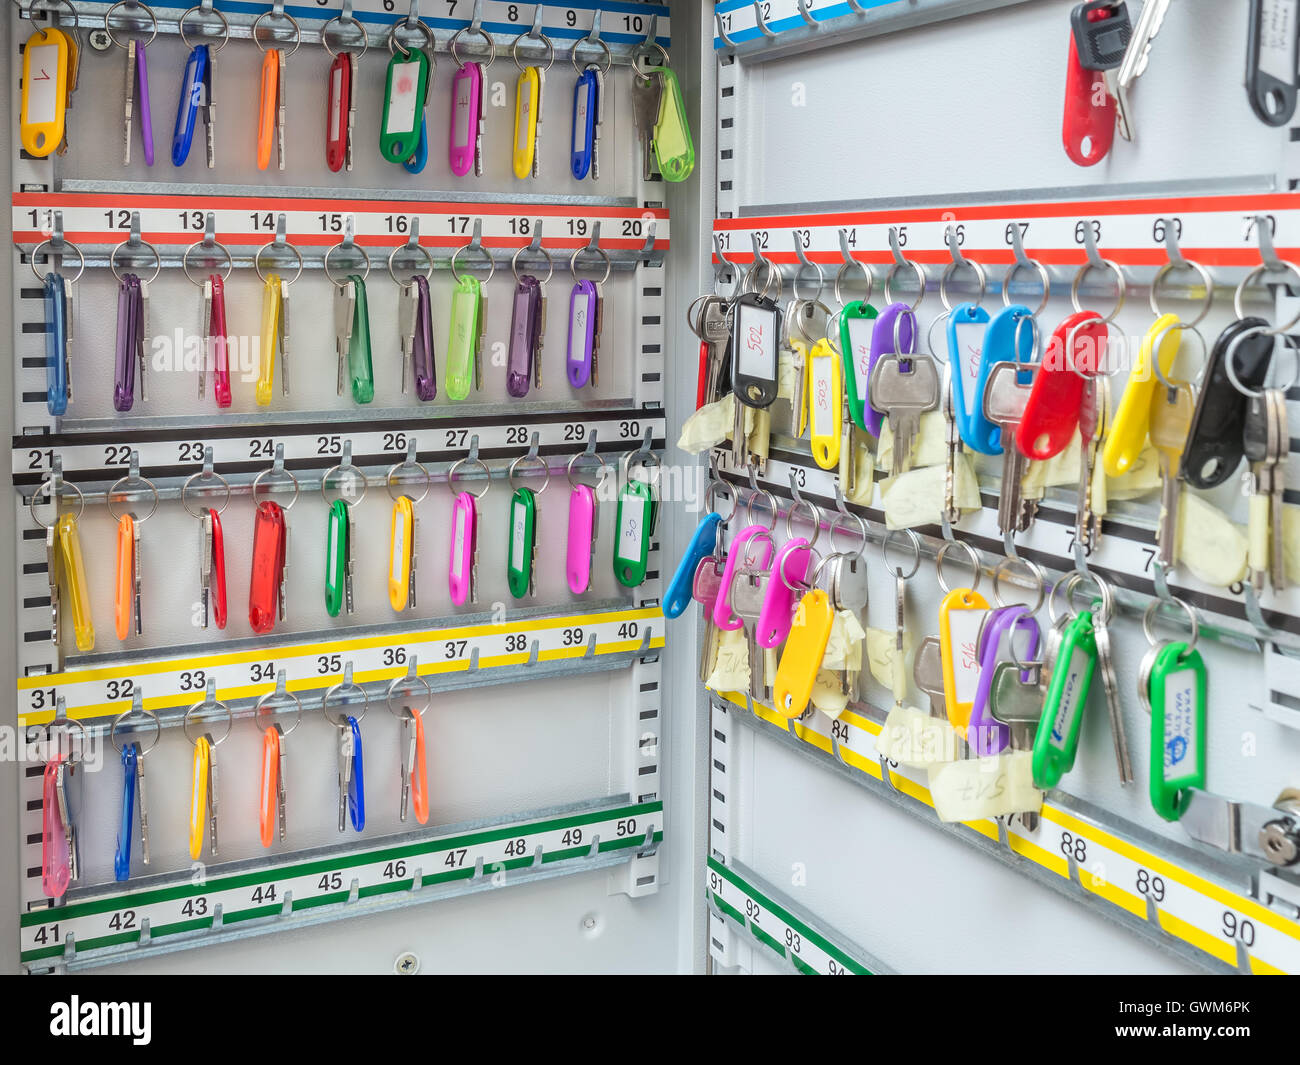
{"points": [[748, 590], [128, 108], [280, 108], [213, 791], [927, 674], [142, 799], [1004, 405], [715, 332], [205, 324], [1106, 667], [906, 386], [345, 772], [281, 789], [407, 766], [847, 579], [205, 562], [51, 566], [953, 448], [345, 305], [409, 316], [136, 575], [646, 94], [142, 342], [1277, 509], [283, 330], [1171, 417], [1135, 60], [1093, 414], [1265, 443], [600, 121]]}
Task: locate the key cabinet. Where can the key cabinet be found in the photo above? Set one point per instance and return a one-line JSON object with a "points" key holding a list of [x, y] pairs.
{"points": [[1018, 709]]}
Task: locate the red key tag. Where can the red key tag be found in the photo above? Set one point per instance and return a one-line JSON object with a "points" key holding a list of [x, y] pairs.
{"points": [[1051, 413], [268, 566], [1089, 127], [218, 570], [336, 114]]}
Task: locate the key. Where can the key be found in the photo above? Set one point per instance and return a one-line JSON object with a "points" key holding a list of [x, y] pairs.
{"points": [[69, 323], [464, 147], [1092, 427], [266, 583], [748, 590], [125, 359], [582, 147], [601, 90], [704, 590], [646, 94], [337, 557], [1277, 566], [1004, 403], [715, 333], [408, 315], [65, 816], [1109, 683], [481, 319], [135, 573], [128, 105], [523, 358], [463, 571], [345, 749], [51, 568], [799, 399], [521, 564], [952, 441], [142, 801], [205, 329], [76, 589], [740, 437], [596, 334], [1102, 32], [1136, 57], [283, 336], [1271, 60], [1264, 449], [462, 340], [361, 369], [927, 675], [407, 761], [634, 523], [339, 113], [1214, 440], [426, 372], [209, 106], [143, 342], [205, 562], [1171, 416], [905, 387], [212, 794], [848, 591]]}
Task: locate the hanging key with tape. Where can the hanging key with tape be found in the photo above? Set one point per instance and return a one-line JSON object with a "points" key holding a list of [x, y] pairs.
{"points": [[404, 529], [136, 78], [403, 130], [586, 317], [468, 323], [197, 89], [462, 574], [530, 88], [127, 609], [341, 88]]}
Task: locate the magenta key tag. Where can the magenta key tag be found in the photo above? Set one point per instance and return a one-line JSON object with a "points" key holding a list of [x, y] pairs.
{"points": [[142, 90], [460, 576], [789, 571], [582, 537], [743, 554], [466, 118], [985, 733], [894, 332], [582, 332], [56, 854], [707, 582]]}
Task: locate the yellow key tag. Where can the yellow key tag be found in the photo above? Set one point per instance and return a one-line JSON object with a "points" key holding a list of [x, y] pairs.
{"points": [[1128, 430], [960, 615], [43, 107], [399, 552], [528, 97], [805, 648], [199, 796], [270, 334], [74, 581], [825, 400]]}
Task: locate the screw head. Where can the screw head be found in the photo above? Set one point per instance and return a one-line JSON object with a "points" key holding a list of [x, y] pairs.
{"points": [[99, 40], [1278, 846], [407, 964]]}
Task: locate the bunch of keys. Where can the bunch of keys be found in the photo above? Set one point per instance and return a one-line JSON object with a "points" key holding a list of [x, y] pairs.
{"points": [[212, 319], [340, 100], [403, 130], [133, 789], [272, 793], [352, 329], [135, 79], [275, 323], [588, 110], [521, 561], [59, 858], [468, 325], [341, 532], [271, 105], [66, 569], [197, 92], [204, 788], [462, 574], [51, 61], [268, 583], [707, 317], [351, 775], [59, 309], [704, 546], [660, 113], [530, 88], [527, 327], [413, 766], [416, 315], [403, 533], [212, 544], [586, 321], [128, 583], [468, 107]]}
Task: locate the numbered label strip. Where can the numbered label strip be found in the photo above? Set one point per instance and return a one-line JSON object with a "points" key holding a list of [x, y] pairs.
{"points": [[739, 20], [1213, 230], [1230, 926], [812, 952], [112, 919], [179, 679], [241, 449], [92, 218]]}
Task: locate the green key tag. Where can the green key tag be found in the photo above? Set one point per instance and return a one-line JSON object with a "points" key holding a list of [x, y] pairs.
{"points": [[1057, 740], [360, 368], [637, 510], [336, 558], [406, 91], [464, 337], [674, 149], [1177, 692], [856, 324], [523, 542]]}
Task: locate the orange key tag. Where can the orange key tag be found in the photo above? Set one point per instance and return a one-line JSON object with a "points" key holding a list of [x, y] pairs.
{"points": [[124, 585], [419, 773], [269, 800]]}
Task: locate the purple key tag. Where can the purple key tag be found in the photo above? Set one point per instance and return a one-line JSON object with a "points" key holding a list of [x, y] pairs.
{"points": [[894, 332]]}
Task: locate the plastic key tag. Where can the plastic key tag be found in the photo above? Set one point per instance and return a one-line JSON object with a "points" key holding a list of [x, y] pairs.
{"points": [[527, 100], [464, 531], [757, 325], [894, 332], [789, 571], [42, 113], [218, 570], [74, 578], [1057, 740], [199, 796], [124, 582], [193, 81], [268, 105], [426, 377], [420, 157], [1177, 691], [56, 850], [220, 348], [268, 805], [586, 103], [741, 555], [406, 89], [1128, 429], [825, 392], [634, 525], [804, 650], [338, 102], [1088, 129], [674, 149], [360, 369], [464, 337], [582, 537], [122, 852], [985, 733], [466, 105], [124, 365], [677, 597], [401, 531], [961, 614], [856, 324], [356, 783], [582, 332], [523, 542], [419, 773], [1051, 415], [270, 336], [967, 326], [268, 565], [336, 557], [525, 325], [1008, 338], [56, 344]]}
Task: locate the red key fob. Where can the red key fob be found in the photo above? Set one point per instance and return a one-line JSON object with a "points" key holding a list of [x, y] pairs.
{"points": [[1089, 127], [268, 566], [337, 102], [702, 383], [1077, 349], [218, 570]]}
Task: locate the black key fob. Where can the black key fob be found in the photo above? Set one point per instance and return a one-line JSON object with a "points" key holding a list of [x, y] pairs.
{"points": [[755, 327], [1101, 43], [1214, 439], [1271, 59]]}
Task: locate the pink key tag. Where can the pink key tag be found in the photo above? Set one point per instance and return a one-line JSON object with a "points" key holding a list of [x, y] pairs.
{"points": [[744, 554], [789, 568], [582, 538], [707, 582], [460, 576], [466, 117], [56, 855]]}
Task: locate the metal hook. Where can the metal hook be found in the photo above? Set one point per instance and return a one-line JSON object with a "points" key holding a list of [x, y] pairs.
{"points": [[476, 23], [652, 34], [1090, 246], [794, 488], [1267, 253], [945, 526], [954, 249], [899, 260], [886, 775], [473, 448], [412, 238], [532, 450], [347, 244], [717, 25], [346, 14], [410, 451], [210, 690], [347, 673], [535, 32], [412, 673], [56, 237], [762, 22], [753, 477], [1080, 559], [533, 652], [1009, 544], [281, 230], [1018, 248], [277, 9], [476, 240], [277, 464], [804, 261], [594, 35], [282, 683], [845, 253], [133, 467], [649, 246], [413, 14], [806, 14], [347, 453], [1172, 249], [840, 503], [1160, 579], [721, 256], [535, 245], [1255, 614], [207, 461], [591, 444], [759, 257], [594, 243], [134, 239], [210, 230]]}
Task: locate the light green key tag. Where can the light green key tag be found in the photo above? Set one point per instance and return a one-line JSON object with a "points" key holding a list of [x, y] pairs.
{"points": [[522, 559], [857, 321], [1057, 741], [674, 149], [637, 511], [360, 368], [1176, 688], [337, 558], [462, 344]]}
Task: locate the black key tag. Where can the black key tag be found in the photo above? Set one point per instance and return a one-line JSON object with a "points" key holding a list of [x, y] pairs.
{"points": [[755, 327], [1271, 59]]}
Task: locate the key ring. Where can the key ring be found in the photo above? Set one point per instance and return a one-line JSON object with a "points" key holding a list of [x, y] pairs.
{"points": [[548, 55], [906, 312], [185, 258], [487, 474], [1149, 618], [971, 554], [344, 496], [1229, 361], [472, 30], [117, 722], [797, 319], [394, 45], [263, 707], [648, 48], [711, 496], [771, 273], [47, 488], [1033, 665], [492, 266], [550, 263], [799, 587], [266, 473], [128, 479], [1044, 279], [603, 472], [532, 460], [225, 27], [835, 527], [919, 273], [203, 475], [344, 686], [1207, 280], [821, 283], [814, 514], [597, 250], [1067, 583], [428, 480], [648, 460], [394, 689], [1035, 339], [1121, 287], [216, 704], [273, 13], [1155, 357], [980, 276], [135, 4], [31, 8], [1071, 360], [768, 498], [277, 244], [573, 55], [428, 262], [81, 260], [365, 36], [364, 255], [1035, 571], [1103, 587], [938, 319], [843, 272], [142, 243], [916, 552], [1249, 279], [66, 724]]}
